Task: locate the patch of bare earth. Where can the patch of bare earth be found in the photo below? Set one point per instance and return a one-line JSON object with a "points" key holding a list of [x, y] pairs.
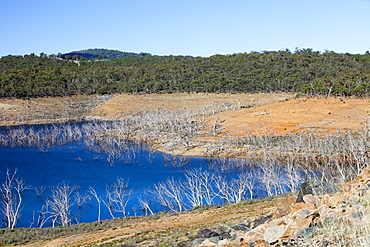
{"points": [[120, 105], [296, 114], [47, 110], [276, 113]]}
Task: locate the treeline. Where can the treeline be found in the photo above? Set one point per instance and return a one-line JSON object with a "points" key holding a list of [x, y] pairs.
{"points": [[98, 54], [304, 70]]}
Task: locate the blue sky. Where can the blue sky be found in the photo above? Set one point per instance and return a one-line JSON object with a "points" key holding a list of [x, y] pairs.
{"points": [[186, 27]]}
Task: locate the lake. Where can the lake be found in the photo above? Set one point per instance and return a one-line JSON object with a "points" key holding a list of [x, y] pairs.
{"points": [[75, 164]]}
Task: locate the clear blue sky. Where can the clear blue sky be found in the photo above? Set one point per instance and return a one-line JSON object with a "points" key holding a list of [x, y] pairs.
{"points": [[186, 27]]}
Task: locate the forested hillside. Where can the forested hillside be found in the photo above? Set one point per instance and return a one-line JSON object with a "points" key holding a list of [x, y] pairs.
{"points": [[99, 54], [303, 70]]}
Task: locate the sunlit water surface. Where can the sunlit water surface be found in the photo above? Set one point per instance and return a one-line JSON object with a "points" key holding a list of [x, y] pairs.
{"points": [[75, 164]]}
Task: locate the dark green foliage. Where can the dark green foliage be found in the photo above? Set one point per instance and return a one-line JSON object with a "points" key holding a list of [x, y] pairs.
{"points": [[305, 71]]}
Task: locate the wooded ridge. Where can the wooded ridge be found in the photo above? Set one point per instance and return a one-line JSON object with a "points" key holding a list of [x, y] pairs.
{"points": [[304, 70]]}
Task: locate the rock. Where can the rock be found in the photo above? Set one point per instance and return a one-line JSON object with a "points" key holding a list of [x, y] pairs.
{"points": [[356, 204], [307, 232], [349, 220], [223, 242], [256, 233], [197, 241], [359, 215], [294, 229], [316, 187], [283, 206], [216, 239], [208, 243], [332, 200], [261, 243], [329, 221], [206, 233], [303, 213], [314, 200], [351, 198], [301, 205], [184, 244], [260, 221], [275, 231], [237, 242], [364, 174], [325, 212], [296, 222], [241, 227], [222, 230]]}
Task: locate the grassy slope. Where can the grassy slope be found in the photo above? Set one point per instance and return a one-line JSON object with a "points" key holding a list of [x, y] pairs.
{"points": [[164, 229]]}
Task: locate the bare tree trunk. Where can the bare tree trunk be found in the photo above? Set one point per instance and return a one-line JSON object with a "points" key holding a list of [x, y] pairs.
{"points": [[92, 191], [11, 199], [146, 205]]}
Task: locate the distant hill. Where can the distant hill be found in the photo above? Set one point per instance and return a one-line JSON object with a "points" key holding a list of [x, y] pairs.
{"points": [[97, 53]]}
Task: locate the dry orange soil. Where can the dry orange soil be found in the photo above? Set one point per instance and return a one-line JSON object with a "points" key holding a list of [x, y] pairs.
{"points": [[275, 113], [297, 114]]}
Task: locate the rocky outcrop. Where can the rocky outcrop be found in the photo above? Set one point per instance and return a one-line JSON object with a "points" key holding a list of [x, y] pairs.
{"points": [[303, 219], [316, 188]]}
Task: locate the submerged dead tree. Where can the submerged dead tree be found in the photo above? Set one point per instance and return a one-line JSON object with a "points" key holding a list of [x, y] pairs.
{"points": [[117, 197], [11, 192], [57, 208]]}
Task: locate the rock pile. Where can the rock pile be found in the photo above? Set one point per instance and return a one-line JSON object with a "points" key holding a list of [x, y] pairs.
{"points": [[318, 216]]}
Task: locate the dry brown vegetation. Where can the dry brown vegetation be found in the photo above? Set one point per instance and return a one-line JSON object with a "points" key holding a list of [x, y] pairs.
{"points": [[157, 230], [46, 110]]}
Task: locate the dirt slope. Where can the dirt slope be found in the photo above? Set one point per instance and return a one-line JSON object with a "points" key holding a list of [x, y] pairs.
{"points": [[155, 231], [272, 112], [295, 114], [275, 113]]}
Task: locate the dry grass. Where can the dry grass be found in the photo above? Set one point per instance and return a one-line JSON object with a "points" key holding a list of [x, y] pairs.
{"points": [[164, 229], [337, 232]]}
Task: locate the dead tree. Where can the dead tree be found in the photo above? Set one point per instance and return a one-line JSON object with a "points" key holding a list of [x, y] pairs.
{"points": [[194, 188], [93, 192], [58, 206], [198, 187], [118, 195], [170, 194], [11, 199], [245, 182], [145, 204]]}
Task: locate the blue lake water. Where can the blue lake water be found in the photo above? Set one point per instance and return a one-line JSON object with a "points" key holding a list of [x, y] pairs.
{"points": [[75, 164]]}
